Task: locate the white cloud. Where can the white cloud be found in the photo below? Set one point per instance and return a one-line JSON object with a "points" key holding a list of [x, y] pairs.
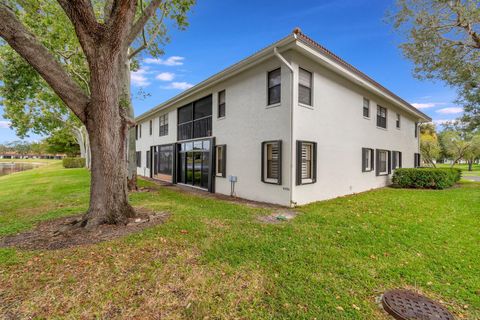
{"points": [[139, 77], [179, 85], [165, 76], [170, 61], [452, 110], [425, 105], [4, 124]]}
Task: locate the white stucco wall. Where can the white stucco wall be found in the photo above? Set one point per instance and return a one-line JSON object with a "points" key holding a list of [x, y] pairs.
{"points": [[248, 122], [336, 123]]}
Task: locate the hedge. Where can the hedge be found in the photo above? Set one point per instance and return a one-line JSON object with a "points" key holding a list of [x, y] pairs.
{"points": [[426, 178], [73, 162]]}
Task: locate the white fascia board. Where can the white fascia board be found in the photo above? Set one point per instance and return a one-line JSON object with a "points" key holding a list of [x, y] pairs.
{"points": [[332, 65]]}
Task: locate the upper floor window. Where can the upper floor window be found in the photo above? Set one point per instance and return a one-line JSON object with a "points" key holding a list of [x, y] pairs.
{"points": [[195, 119], [163, 125], [397, 123], [272, 162], [221, 104], [366, 108], [150, 128], [416, 129], [381, 117], [305, 87], [274, 86]]}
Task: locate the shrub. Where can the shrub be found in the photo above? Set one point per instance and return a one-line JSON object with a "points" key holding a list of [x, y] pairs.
{"points": [[426, 178], [73, 162]]}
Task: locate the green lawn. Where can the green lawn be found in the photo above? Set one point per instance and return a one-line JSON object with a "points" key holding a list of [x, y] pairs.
{"points": [[215, 259], [464, 167]]}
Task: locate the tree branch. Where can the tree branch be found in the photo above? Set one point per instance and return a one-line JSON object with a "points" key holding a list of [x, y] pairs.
{"points": [[28, 47], [146, 44], [82, 16], [142, 20]]}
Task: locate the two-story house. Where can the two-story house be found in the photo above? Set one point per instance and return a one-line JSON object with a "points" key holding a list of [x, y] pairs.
{"points": [[291, 124]]}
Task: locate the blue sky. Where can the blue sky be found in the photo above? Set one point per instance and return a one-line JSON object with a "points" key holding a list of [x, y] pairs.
{"points": [[222, 32]]}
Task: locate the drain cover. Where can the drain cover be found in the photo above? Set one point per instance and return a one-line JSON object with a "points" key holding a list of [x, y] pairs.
{"points": [[404, 304]]}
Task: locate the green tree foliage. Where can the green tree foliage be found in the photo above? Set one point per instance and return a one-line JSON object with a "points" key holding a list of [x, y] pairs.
{"points": [[429, 145], [443, 41], [62, 141]]}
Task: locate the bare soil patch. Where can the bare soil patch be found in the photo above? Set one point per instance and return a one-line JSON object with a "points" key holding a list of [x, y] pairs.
{"points": [[59, 233], [279, 216]]}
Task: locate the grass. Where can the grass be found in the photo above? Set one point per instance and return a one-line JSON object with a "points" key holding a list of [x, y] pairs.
{"points": [[214, 259], [464, 167]]}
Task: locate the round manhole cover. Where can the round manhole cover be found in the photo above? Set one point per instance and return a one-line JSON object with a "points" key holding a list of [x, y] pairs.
{"points": [[404, 304]]}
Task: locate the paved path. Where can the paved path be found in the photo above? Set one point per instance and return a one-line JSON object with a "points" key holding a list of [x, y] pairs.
{"points": [[472, 178]]}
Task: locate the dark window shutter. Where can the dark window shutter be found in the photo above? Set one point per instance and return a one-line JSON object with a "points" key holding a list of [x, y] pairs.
{"points": [[263, 162], [280, 159], [399, 159], [372, 158], [299, 163], [377, 160], [224, 161], [364, 164], [389, 162], [314, 173]]}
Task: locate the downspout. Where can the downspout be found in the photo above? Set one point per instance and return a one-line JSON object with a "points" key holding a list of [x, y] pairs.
{"points": [[281, 58]]}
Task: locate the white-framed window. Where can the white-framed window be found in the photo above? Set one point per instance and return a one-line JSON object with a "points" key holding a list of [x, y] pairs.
{"points": [[367, 159], [272, 162], [221, 104], [306, 162], [163, 125], [304, 87], [383, 161], [274, 86], [366, 108], [381, 117], [397, 122], [220, 161]]}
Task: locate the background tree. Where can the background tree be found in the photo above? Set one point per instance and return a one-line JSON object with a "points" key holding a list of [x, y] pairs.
{"points": [[429, 145], [443, 41], [105, 41], [473, 153], [62, 141]]}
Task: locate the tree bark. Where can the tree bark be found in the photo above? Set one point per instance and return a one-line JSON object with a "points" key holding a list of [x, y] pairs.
{"points": [[470, 165], [107, 130]]}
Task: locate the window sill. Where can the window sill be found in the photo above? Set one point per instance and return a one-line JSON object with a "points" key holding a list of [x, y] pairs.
{"points": [[367, 118], [270, 181], [383, 174], [219, 176], [305, 106], [381, 128], [273, 105], [221, 118], [366, 171], [307, 182]]}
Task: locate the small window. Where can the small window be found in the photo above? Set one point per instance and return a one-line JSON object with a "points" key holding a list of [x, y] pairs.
{"points": [[383, 162], [416, 129], [367, 160], [274, 86], [381, 117], [150, 127], [139, 158], [398, 121], [416, 160], [272, 162], [396, 160], [221, 104], [163, 125], [366, 108], [305, 87], [306, 162], [148, 159], [221, 161]]}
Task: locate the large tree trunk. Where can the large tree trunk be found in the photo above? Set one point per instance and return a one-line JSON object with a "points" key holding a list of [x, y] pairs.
{"points": [[107, 130]]}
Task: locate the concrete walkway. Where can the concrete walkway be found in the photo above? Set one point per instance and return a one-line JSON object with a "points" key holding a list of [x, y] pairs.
{"points": [[471, 178]]}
